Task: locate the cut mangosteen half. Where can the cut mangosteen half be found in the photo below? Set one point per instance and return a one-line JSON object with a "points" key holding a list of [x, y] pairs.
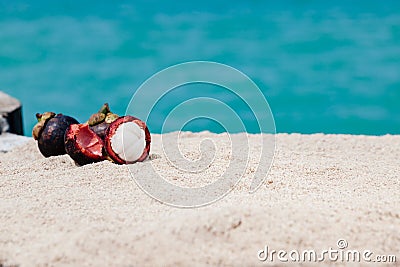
{"points": [[127, 140], [83, 145]]}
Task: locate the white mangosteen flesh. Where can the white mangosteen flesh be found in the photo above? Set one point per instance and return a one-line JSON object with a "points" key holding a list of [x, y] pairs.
{"points": [[128, 141]]}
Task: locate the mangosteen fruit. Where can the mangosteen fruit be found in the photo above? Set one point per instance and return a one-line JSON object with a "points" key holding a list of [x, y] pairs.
{"points": [[127, 140], [83, 145], [49, 132], [100, 121]]}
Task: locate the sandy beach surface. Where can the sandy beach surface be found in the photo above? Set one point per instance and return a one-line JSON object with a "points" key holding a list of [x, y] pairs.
{"points": [[320, 189]]}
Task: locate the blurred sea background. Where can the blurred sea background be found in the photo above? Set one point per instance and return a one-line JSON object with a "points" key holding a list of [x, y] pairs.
{"points": [[323, 66]]}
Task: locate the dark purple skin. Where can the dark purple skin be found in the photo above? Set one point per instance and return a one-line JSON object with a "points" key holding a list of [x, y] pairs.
{"points": [[100, 129], [79, 158], [51, 141]]}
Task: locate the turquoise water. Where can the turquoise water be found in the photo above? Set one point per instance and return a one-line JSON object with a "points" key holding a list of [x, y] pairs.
{"points": [[331, 67]]}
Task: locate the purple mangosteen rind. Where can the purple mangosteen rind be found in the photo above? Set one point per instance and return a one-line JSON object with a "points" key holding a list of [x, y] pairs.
{"points": [[100, 129], [107, 141]]}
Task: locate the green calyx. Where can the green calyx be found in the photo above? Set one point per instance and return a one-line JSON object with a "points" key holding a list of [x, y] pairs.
{"points": [[96, 118], [42, 120], [104, 115], [105, 109], [45, 116], [111, 117]]}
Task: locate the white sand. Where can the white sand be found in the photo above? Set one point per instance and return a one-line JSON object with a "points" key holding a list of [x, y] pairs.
{"points": [[320, 188]]}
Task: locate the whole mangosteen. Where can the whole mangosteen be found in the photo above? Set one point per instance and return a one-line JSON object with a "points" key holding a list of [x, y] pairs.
{"points": [[50, 131], [100, 121]]}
